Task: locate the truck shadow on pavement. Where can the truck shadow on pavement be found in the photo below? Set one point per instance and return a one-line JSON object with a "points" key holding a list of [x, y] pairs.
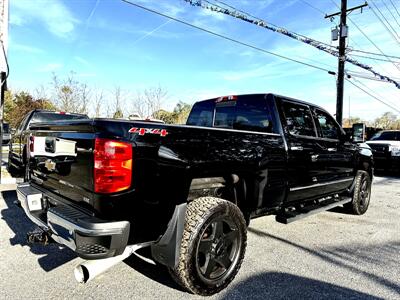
{"points": [[157, 273], [274, 285], [349, 257], [54, 254]]}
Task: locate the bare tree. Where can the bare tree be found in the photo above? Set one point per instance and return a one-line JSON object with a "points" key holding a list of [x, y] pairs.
{"points": [[149, 101], [98, 101], [118, 94], [70, 95]]}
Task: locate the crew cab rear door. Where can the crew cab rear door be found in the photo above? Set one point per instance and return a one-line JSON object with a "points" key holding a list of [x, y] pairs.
{"points": [[304, 168]]}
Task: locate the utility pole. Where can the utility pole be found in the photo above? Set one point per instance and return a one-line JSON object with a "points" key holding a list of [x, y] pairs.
{"points": [[343, 32]]}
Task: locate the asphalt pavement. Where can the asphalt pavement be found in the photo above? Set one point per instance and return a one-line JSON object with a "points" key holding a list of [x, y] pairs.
{"points": [[331, 255]]}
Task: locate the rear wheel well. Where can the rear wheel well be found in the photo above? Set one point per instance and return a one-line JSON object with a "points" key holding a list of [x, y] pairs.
{"points": [[228, 187]]}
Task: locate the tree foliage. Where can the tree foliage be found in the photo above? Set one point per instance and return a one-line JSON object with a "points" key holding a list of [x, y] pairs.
{"points": [[70, 95], [148, 102], [178, 116], [387, 121], [17, 105]]}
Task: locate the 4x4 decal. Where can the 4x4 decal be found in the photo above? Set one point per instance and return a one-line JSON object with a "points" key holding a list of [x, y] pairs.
{"points": [[143, 131]]}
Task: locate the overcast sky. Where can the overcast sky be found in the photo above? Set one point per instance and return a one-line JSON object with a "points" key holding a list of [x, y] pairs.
{"points": [[110, 43]]}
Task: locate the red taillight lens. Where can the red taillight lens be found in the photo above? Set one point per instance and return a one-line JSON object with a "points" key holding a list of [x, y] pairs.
{"points": [[112, 166], [31, 143]]}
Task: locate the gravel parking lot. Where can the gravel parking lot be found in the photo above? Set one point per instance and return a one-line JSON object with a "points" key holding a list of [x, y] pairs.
{"points": [[330, 255]]}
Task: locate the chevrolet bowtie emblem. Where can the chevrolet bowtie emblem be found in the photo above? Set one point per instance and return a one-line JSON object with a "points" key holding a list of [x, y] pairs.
{"points": [[50, 165]]}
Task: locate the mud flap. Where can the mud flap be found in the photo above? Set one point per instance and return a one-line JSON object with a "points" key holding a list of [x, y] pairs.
{"points": [[166, 251]]}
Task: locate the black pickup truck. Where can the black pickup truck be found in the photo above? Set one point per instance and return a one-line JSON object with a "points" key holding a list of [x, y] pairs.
{"points": [[17, 154], [105, 188]]}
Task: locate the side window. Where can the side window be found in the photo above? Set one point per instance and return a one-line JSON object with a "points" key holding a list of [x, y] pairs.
{"points": [[201, 114], [253, 114], [298, 119], [328, 128]]}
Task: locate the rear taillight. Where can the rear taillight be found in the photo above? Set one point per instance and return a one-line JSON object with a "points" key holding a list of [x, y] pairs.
{"points": [[31, 143], [112, 166]]}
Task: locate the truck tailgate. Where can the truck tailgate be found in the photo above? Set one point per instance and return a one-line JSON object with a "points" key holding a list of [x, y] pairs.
{"points": [[61, 159]]}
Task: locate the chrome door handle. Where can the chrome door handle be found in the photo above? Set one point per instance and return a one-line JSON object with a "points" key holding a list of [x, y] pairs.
{"points": [[332, 149], [297, 148]]}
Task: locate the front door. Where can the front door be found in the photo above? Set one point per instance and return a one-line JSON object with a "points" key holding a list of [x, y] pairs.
{"points": [[337, 154]]}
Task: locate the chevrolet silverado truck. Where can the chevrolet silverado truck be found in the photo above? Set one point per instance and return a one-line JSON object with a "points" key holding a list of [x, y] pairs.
{"points": [[17, 154], [385, 147], [105, 188]]}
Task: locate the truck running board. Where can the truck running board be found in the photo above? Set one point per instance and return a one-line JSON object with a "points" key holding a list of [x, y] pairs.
{"points": [[295, 214]]}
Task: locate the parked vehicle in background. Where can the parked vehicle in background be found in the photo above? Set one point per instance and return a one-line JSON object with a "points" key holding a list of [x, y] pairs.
{"points": [[105, 188], [6, 133], [18, 151], [385, 147]]}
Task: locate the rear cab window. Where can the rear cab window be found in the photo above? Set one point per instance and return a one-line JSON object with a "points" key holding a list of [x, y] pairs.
{"points": [[247, 113]]}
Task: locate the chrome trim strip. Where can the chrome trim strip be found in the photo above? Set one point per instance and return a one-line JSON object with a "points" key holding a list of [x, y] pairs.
{"points": [[320, 184]]}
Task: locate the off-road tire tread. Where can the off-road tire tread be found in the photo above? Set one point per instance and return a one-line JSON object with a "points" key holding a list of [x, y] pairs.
{"points": [[196, 214], [354, 206]]}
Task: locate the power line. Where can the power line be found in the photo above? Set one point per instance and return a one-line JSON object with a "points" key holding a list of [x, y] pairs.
{"points": [[367, 37], [250, 15], [371, 91], [376, 98], [383, 23], [395, 7], [227, 38], [373, 53], [395, 19], [364, 75], [379, 49], [314, 7], [264, 24], [373, 58]]}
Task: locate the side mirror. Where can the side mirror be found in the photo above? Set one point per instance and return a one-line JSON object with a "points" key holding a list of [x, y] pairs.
{"points": [[359, 133]]}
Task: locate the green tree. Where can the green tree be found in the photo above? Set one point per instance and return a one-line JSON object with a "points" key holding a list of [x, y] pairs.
{"points": [[17, 105], [181, 112], [118, 114], [166, 116]]}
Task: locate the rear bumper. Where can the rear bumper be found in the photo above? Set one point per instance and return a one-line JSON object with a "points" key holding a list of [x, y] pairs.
{"points": [[88, 236]]}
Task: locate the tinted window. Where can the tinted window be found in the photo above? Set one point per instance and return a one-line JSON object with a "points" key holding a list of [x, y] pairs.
{"points": [[51, 116], [298, 119], [201, 114], [6, 128], [329, 129], [245, 113], [252, 114], [386, 135]]}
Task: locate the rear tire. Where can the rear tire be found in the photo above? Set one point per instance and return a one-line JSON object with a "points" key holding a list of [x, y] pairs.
{"points": [[213, 246], [361, 194]]}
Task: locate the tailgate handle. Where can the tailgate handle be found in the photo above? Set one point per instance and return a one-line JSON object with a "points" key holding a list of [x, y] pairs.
{"points": [[50, 145]]}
